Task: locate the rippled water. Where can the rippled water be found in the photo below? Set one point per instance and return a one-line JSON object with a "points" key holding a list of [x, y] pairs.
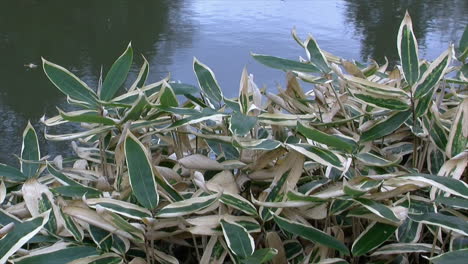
{"points": [[87, 34]]}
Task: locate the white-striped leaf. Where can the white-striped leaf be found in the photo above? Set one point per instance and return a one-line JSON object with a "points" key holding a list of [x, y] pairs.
{"points": [[238, 202], [239, 241], [378, 209], [11, 173], [316, 56], [126, 209], [117, 75], [382, 101], [30, 153], [433, 74], [284, 64], [140, 172], [21, 234], [386, 126], [167, 97], [408, 50], [107, 258], [69, 84], [188, 206], [207, 81], [370, 159], [458, 137], [405, 248], [323, 156], [324, 138], [446, 184], [452, 257], [257, 144], [310, 233], [453, 223], [59, 256], [242, 124], [375, 234], [86, 116]]}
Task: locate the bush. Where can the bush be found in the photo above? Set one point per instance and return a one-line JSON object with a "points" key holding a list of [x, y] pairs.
{"points": [[367, 166]]}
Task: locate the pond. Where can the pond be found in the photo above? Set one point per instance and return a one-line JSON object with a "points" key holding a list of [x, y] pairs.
{"points": [[85, 35]]}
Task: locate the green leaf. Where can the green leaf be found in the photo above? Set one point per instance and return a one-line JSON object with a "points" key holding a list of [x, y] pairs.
{"points": [[182, 88], [454, 202], [207, 82], [161, 181], [408, 50], [453, 223], [62, 178], [121, 224], [433, 74], [385, 127], [140, 172], [274, 195], [137, 108], [126, 209], [242, 124], [239, 203], [238, 239], [452, 257], [102, 238], [167, 97], [370, 159], [386, 102], [316, 56], [69, 84], [320, 155], [188, 206], [310, 233], [86, 116], [61, 256], [205, 114], [324, 138], [375, 88], [405, 248], [458, 137], [292, 248], [30, 152], [73, 227], [244, 101], [20, 235], [76, 191], [378, 209], [260, 144], [371, 238], [424, 103], [142, 76], [260, 256], [11, 173], [284, 64], [6, 218], [409, 231], [436, 131], [446, 184], [117, 74]]}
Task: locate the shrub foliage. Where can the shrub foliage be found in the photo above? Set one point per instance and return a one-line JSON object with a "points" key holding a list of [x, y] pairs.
{"points": [[365, 165]]}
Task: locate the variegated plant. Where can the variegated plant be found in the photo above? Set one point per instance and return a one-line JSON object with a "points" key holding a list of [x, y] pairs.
{"points": [[367, 164]]}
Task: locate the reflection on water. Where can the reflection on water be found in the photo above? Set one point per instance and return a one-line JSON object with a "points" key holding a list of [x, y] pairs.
{"points": [[435, 22], [86, 35]]}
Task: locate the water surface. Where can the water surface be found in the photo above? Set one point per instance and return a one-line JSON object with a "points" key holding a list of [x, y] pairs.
{"points": [[87, 35]]}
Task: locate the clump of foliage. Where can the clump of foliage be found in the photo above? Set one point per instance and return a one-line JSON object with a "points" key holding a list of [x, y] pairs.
{"points": [[366, 166]]}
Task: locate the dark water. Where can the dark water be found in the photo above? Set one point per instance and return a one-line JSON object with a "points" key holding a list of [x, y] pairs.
{"points": [[86, 35]]}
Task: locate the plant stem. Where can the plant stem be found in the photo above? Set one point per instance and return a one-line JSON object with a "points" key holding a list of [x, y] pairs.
{"points": [[415, 141], [434, 242]]}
